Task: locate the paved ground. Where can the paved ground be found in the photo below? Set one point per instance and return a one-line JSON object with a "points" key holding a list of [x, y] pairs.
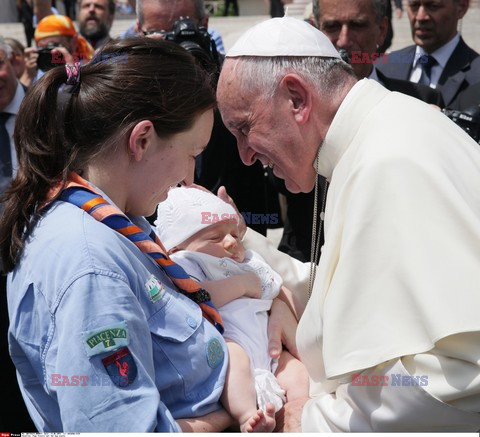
{"points": [[231, 27]]}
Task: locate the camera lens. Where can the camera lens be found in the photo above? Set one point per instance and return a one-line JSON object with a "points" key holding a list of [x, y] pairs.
{"points": [[46, 61]]}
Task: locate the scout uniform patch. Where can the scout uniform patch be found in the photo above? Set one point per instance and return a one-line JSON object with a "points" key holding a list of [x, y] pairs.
{"points": [[105, 339], [155, 289], [121, 367], [215, 353]]}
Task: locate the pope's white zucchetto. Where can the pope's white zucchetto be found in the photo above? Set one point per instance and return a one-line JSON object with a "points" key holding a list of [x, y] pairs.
{"points": [[286, 36]]}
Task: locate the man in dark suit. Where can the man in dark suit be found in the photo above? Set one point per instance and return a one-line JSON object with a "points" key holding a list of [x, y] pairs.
{"points": [[440, 58], [14, 416], [360, 28]]}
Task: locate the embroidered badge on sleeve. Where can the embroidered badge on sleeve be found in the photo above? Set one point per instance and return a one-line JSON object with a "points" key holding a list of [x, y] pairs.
{"points": [[155, 289], [105, 339], [121, 367], [215, 353]]}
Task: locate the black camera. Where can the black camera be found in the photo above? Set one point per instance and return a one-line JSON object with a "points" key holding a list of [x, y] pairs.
{"points": [[196, 40], [45, 60], [468, 120]]}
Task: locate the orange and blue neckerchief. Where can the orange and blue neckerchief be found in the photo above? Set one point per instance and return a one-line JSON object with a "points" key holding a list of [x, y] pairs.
{"points": [[79, 192]]}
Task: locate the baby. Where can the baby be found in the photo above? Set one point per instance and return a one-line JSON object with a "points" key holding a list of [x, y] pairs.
{"points": [[201, 233]]}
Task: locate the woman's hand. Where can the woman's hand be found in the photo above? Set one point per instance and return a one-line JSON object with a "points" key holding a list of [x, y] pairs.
{"points": [[282, 329]]}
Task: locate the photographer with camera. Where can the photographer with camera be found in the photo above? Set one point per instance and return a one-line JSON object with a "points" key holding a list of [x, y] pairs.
{"points": [[57, 43], [185, 22]]}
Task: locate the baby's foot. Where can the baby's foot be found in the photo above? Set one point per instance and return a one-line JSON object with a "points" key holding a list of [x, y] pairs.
{"points": [[261, 421]]}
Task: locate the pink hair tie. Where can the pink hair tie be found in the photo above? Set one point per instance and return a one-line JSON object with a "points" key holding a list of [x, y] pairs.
{"points": [[73, 75]]}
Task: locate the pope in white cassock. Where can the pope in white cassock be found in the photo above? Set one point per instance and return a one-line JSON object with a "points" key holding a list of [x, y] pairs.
{"points": [[391, 333]]}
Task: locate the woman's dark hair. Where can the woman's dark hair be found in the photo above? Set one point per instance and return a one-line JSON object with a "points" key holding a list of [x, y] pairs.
{"points": [[57, 132]]}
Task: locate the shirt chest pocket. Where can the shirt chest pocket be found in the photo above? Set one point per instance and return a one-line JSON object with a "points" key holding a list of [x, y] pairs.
{"points": [[189, 353]]}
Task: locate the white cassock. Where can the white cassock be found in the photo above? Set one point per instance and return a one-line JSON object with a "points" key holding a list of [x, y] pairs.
{"points": [[397, 290]]}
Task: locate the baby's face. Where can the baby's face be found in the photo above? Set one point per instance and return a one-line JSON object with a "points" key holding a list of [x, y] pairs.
{"points": [[220, 240]]}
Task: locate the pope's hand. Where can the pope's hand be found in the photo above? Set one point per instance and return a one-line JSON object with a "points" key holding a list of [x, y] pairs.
{"points": [[222, 194], [282, 329]]}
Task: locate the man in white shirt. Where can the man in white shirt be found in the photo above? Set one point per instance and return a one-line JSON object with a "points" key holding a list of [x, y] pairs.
{"points": [[390, 335], [440, 57]]}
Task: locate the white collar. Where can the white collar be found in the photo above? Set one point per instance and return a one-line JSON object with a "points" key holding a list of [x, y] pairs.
{"points": [[362, 97]]}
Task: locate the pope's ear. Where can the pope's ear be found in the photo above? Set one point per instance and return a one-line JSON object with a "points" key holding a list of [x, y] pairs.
{"points": [[299, 95]]}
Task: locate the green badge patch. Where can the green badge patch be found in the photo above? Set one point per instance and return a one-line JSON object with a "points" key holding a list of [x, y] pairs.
{"points": [[106, 339], [215, 353], [155, 289]]}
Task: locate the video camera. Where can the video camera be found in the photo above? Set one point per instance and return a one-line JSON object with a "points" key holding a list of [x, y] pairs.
{"points": [[196, 40], [468, 120], [45, 60]]}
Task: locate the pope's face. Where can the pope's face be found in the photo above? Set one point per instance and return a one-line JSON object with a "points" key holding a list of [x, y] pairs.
{"points": [[266, 131]]}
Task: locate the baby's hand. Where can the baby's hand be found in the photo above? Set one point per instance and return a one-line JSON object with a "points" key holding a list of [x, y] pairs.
{"points": [[252, 285]]}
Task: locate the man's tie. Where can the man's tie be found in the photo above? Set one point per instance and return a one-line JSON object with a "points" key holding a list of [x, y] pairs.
{"points": [[426, 67], [5, 153], [82, 194]]}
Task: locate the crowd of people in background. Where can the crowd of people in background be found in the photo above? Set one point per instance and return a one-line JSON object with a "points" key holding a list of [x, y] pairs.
{"points": [[439, 69]]}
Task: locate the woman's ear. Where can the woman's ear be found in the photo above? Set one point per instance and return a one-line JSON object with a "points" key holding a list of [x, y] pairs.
{"points": [[140, 139]]}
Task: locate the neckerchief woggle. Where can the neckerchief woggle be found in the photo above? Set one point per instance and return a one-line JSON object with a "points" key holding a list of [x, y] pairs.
{"points": [[79, 192]]}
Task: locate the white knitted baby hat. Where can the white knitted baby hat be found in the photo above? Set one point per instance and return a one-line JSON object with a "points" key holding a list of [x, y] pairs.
{"points": [[187, 211]]}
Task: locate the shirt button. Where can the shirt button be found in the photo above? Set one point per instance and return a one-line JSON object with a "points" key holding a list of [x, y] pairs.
{"points": [[191, 322]]}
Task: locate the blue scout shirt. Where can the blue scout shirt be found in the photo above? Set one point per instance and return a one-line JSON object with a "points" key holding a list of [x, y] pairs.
{"points": [[101, 339]]}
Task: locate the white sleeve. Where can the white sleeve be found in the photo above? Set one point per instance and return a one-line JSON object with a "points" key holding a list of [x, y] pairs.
{"points": [[392, 402], [452, 368], [294, 273]]}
